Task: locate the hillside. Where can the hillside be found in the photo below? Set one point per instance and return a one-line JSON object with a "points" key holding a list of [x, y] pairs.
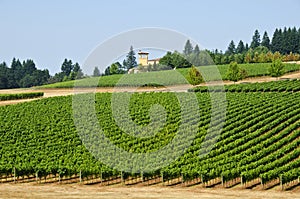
{"points": [[258, 145], [169, 77]]}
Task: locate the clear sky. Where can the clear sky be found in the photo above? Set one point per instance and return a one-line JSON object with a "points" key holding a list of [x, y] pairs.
{"points": [[49, 31]]}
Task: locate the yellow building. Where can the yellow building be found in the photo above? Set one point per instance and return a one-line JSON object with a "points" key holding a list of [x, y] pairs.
{"points": [[144, 61]]}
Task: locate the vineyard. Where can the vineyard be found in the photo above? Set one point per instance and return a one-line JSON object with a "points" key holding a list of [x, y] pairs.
{"points": [[258, 145], [274, 86]]}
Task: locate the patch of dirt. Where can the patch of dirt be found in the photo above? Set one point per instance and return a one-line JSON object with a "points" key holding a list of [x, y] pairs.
{"points": [[175, 88], [111, 192]]}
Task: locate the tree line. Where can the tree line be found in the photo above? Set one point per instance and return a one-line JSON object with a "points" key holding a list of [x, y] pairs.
{"points": [[284, 45], [25, 74]]}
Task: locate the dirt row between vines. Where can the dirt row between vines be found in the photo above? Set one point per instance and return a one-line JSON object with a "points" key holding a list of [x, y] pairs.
{"points": [[112, 192], [176, 88]]}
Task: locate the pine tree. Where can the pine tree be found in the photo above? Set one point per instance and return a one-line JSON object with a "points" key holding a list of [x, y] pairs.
{"points": [[131, 59], [246, 47], [96, 72], [240, 47], [266, 40], [231, 48], [67, 67], [188, 48], [197, 50], [194, 77], [295, 40], [255, 40], [277, 44]]}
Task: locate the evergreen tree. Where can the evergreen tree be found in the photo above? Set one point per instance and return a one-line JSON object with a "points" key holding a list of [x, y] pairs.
{"points": [[231, 48], [188, 48], [67, 67], [3, 75], [266, 40], [277, 43], [240, 47], [255, 40], [29, 67], [16, 73], [96, 72], [197, 50], [131, 59], [194, 77], [298, 40], [295, 40], [246, 47]]}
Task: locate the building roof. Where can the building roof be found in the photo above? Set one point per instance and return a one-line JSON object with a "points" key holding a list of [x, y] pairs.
{"points": [[142, 53], [157, 59]]}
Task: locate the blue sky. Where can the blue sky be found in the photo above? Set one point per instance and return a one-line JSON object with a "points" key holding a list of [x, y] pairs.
{"points": [[49, 31]]}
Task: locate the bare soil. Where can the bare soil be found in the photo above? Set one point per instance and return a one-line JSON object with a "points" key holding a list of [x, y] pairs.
{"points": [[142, 192]]}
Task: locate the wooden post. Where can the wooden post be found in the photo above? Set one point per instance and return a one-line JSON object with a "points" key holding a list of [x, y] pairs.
{"points": [[14, 174], [162, 178], [36, 176], [122, 179], [142, 176], [222, 180], [203, 183], [261, 182], [280, 180], [80, 178], [182, 179], [242, 180], [59, 178], [101, 176]]}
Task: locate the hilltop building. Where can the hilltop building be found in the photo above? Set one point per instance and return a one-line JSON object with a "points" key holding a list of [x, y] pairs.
{"points": [[144, 61]]}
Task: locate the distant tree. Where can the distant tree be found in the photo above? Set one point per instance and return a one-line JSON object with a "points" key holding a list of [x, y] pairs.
{"points": [[107, 71], [131, 59], [188, 48], [266, 41], [96, 72], [16, 73], [277, 41], [240, 47], [76, 72], [27, 81], [115, 68], [196, 50], [231, 48], [246, 47], [194, 77], [3, 75], [255, 40], [234, 73], [67, 67], [277, 68], [29, 67], [174, 60]]}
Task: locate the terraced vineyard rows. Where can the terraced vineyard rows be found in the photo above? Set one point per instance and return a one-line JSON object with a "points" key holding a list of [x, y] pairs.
{"points": [[274, 86], [259, 140]]}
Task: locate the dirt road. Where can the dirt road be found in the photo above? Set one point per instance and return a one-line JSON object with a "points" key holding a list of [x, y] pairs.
{"points": [[176, 88], [111, 192]]}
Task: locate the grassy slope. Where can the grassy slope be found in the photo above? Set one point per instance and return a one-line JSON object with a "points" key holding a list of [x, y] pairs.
{"points": [[166, 77]]}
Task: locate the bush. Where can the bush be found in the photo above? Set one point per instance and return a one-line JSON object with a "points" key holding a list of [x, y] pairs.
{"points": [[4, 97]]}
